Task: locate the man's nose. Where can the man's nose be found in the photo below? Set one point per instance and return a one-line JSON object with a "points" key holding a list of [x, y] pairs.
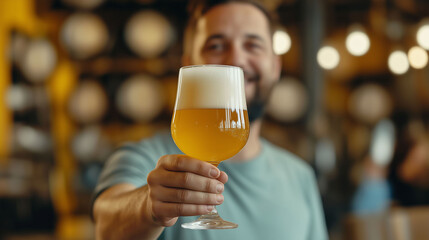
{"points": [[236, 56]]}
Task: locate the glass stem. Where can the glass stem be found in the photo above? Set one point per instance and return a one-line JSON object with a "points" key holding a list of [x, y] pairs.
{"points": [[214, 211], [211, 215]]}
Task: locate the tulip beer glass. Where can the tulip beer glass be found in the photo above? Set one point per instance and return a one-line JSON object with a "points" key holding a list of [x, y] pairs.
{"points": [[210, 121]]}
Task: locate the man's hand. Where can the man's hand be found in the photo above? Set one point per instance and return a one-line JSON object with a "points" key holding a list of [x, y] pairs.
{"points": [[182, 186]]}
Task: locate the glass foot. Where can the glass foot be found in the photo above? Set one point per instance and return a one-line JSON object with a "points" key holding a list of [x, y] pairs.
{"points": [[209, 224], [210, 221]]}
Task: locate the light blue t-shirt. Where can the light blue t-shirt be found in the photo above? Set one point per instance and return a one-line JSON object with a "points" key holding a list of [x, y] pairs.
{"points": [[273, 196]]}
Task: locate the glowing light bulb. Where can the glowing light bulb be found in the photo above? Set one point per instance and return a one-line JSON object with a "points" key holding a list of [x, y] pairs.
{"points": [[357, 43], [418, 57], [398, 62], [328, 57], [281, 42]]}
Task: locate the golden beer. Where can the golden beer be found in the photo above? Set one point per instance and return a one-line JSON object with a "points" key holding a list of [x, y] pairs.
{"points": [[210, 121], [211, 135]]}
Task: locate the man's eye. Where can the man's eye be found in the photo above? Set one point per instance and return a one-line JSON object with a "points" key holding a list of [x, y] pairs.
{"points": [[253, 46], [215, 47]]}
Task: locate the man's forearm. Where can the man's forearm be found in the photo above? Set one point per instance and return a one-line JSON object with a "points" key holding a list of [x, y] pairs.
{"points": [[119, 214]]}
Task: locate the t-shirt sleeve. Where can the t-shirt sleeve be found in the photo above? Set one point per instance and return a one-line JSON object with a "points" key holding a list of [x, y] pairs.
{"points": [[129, 164], [318, 227]]}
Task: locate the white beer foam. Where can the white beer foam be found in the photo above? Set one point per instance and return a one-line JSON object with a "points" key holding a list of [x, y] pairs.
{"points": [[211, 86]]}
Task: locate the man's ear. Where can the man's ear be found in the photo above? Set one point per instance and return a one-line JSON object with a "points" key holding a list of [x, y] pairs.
{"points": [[186, 60]]}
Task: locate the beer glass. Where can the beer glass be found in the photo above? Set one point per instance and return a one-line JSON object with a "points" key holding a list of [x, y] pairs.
{"points": [[210, 121]]}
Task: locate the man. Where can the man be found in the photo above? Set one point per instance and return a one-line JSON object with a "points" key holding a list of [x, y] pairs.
{"points": [[146, 189], [405, 181]]}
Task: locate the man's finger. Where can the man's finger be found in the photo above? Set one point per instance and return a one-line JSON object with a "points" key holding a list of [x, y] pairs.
{"points": [[190, 181], [162, 209], [176, 195], [183, 163], [223, 177]]}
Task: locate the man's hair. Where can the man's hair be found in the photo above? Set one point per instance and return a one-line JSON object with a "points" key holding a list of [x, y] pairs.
{"points": [[198, 8]]}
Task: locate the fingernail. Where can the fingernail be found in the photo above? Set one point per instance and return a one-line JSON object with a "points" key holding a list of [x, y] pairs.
{"points": [[219, 198], [214, 173], [219, 188], [210, 208]]}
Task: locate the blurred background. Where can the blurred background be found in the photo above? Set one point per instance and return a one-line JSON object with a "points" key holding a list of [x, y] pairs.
{"points": [[80, 77]]}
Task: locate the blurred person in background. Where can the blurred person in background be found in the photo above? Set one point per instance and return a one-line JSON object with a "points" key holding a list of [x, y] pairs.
{"points": [[405, 182], [146, 188]]}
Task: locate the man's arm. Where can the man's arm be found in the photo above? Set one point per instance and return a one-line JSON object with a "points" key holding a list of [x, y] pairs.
{"points": [[178, 186], [119, 214]]}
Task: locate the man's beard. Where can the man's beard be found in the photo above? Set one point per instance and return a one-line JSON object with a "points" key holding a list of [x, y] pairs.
{"points": [[256, 109], [256, 106]]}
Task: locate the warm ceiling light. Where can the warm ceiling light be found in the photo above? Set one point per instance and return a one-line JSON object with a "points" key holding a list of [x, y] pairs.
{"points": [[423, 36], [84, 35], [19, 97], [281, 42], [288, 101], [398, 62], [148, 33], [88, 103], [370, 103], [418, 57], [140, 98], [31, 139], [358, 43], [328, 57], [39, 60]]}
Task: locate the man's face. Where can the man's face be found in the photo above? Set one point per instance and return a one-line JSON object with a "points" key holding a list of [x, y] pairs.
{"points": [[238, 34]]}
